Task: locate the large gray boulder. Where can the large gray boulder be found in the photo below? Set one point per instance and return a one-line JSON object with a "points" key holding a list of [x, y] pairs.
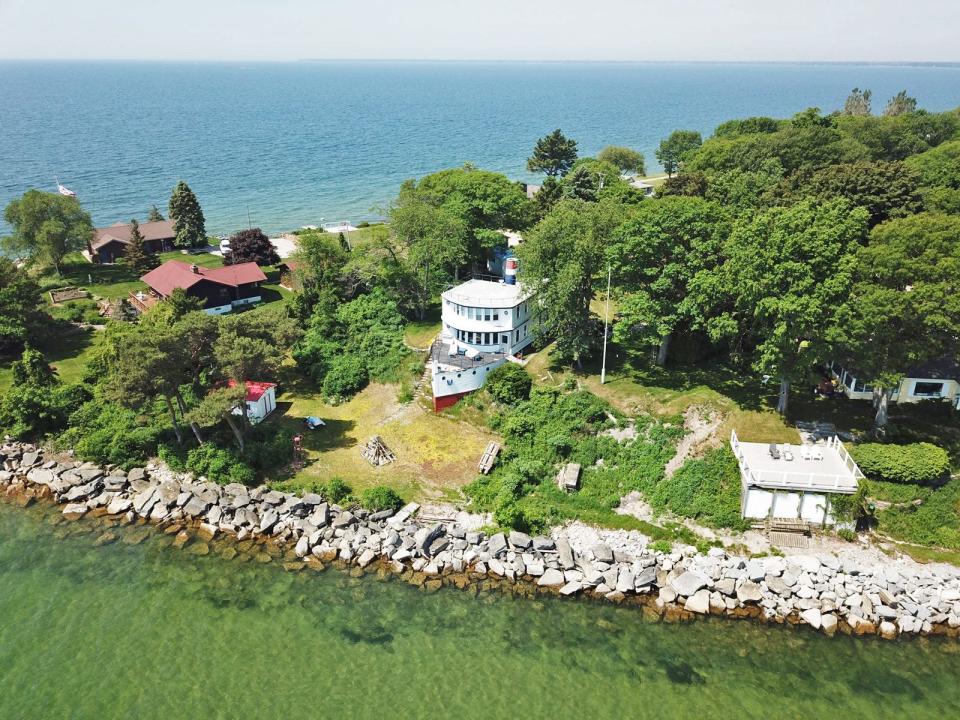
{"points": [[497, 545], [565, 554], [602, 552], [551, 578], [699, 602], [749, 592], [519, 540], [268, 520], [689, 583]]}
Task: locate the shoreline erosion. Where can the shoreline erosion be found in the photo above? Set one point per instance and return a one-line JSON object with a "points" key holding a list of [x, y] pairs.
{"points": [[831, 594]]}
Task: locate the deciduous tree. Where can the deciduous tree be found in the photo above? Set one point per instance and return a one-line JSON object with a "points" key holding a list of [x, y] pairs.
{"points": [[903, 308], [21, 314], [673, 149], [623, 158], [251, 246], [787, 271], [857, 103], [559, 261], [47, 226], [654, 257]]}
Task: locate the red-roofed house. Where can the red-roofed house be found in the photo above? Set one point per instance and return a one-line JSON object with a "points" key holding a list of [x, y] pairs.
{"points": [[221, 289], [261, 399], [110, 243]]}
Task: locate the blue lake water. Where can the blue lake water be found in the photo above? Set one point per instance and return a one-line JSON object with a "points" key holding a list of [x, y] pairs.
{"points": [[297, 142]]}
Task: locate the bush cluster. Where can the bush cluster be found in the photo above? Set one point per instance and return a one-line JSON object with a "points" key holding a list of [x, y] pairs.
{"points": [[706, 489], [509, 383], [219, 464], [381, 497], [919, 463]]}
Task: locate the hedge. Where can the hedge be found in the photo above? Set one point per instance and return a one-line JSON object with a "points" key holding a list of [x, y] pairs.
{"points": [[919, 463]]}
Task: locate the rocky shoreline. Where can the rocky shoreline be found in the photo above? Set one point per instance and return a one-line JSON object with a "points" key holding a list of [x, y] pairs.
{"points": [[828, 593]]}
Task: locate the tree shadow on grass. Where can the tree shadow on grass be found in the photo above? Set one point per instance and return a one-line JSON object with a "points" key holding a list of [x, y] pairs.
{"points": [[334, 435]]}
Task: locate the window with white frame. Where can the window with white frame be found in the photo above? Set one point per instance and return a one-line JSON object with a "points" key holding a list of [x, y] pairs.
{"points": [[928, 389]]}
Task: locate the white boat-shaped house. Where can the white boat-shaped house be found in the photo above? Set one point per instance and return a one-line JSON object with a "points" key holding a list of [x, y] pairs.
{"points": [[485, 324]]}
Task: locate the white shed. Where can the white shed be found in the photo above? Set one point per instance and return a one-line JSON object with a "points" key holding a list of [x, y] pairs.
{"points": [[261, 399]]}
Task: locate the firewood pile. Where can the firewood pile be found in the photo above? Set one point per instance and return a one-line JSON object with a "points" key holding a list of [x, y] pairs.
{"points": [[376, 452]]}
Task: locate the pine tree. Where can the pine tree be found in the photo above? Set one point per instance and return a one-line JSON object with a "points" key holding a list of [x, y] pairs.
{"points": [[858, 102], [188, 221], [900, 104], [137, 256], [154, 214], [553, 154]]}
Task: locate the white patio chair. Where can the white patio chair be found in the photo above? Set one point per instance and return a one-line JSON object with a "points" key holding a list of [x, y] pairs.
{"points": [[805, 452], [816, 452]]}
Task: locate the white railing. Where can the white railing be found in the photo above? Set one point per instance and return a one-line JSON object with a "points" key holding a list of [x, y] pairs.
{"points": [[793, 479]]}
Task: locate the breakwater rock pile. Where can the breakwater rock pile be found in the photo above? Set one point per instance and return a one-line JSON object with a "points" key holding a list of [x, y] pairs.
{"points": [[828, 593]]}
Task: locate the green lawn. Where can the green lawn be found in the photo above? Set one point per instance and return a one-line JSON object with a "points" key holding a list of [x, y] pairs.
{"points": [[69, 353], [418, 334]]}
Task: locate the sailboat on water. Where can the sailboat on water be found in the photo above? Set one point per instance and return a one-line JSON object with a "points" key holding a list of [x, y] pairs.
{"points": [[63, 190]]}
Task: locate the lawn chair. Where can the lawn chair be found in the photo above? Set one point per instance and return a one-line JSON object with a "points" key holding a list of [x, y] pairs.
{"points": [[805, 452], [787, 453], [774, 452], [816, 453]]}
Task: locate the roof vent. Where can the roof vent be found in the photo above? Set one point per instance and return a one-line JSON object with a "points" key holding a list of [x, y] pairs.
{"points": [[195, 269]]}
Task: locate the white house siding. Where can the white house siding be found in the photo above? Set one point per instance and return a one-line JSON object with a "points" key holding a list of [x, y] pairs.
{"points": [[856, 389]]}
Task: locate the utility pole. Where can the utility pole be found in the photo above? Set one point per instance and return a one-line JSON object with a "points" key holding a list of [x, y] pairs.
{"points": [[606, 322]]}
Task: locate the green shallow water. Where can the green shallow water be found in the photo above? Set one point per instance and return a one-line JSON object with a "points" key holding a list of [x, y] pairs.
{"points": [[146, 631]]}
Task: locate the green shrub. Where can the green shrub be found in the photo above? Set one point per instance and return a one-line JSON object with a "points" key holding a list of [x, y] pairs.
{"points": [[509, 383], [706, 489], [663, 546], [847, 534], [347, 375], [219, 465], [173, 457], [381, 497], [919, 463], [335, 490], [110, 434]]}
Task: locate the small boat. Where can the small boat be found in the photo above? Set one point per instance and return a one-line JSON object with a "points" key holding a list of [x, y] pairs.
{"points": [[63, 190]]}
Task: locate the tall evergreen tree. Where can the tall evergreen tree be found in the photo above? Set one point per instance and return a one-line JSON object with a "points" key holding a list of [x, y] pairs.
{"points": [[188, 222], [553, 154], [136, 255], [858, 102], [153, 215], [900, 104]]}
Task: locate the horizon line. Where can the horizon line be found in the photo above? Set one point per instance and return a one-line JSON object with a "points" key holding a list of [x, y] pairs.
{"points": [[486, 60]]}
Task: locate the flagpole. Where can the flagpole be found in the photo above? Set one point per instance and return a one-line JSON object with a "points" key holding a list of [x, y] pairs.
{"points": [[606, 322]]}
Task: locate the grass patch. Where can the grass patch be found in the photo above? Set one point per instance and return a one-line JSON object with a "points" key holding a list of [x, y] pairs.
{"points": [[418, 334], [436, 455], [935, 522]]}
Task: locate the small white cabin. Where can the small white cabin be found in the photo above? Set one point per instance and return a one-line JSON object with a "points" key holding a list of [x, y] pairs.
{"points": [[261, 400]]}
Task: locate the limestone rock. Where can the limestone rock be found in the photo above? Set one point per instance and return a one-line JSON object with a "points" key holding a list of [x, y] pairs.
{"points": [[698, 602], [689, 583]]}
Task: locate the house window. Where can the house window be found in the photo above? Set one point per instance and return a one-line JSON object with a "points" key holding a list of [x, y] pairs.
{"points": [[928, 389], [496, 316], [486, 315]]}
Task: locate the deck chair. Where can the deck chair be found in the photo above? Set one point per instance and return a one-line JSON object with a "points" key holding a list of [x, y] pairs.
{"points": [[805, 452], [774, 452], [816, 453]]}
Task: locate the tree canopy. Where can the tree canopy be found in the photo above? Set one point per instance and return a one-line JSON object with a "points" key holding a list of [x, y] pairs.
{"points": [[21, 313], [623, 158], [786, 272], [47, 226], [136, 255], [251, 246], [673, 149]]}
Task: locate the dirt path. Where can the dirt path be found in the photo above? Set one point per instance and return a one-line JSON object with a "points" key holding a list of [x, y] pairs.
{"points": [[701, 424]]}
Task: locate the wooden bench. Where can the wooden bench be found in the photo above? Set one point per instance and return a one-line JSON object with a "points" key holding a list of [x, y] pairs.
{"points": [[489, 458]]}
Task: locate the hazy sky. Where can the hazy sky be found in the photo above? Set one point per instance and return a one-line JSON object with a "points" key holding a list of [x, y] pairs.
{"points": [[872, 30]]}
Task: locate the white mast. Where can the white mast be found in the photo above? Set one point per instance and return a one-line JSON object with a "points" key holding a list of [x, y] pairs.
{"points": [[606, 321]]}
